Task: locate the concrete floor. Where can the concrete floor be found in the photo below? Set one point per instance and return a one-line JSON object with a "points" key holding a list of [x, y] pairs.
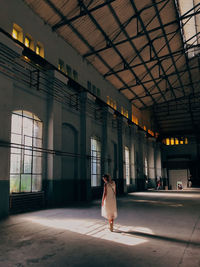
{"points": [[152, 229]]}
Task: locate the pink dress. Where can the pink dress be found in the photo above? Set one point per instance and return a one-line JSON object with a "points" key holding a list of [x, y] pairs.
{"points": [[109, 209]]}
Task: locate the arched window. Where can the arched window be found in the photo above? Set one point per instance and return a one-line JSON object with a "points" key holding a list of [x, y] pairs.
{"points": [[26, 155], [95, 162], [127, 165]]}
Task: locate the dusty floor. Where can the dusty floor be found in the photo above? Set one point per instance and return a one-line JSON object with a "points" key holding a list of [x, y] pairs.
{"points": [[152, 229]]}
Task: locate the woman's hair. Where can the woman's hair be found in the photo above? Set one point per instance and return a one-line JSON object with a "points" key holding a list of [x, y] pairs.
{"points": [[106, 176]]}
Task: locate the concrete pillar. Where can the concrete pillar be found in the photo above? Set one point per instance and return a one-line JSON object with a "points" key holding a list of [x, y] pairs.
{"points": [[85, 179], [158, 165], [151, 161], [104, 152], [140, 160], [5, 130], [120, 184], [53, 183], [133, 157]]}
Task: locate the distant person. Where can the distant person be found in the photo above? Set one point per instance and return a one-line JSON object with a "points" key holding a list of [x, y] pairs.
{"points": [[190, 181], [180, 186], [109, 203], [158, 184]]}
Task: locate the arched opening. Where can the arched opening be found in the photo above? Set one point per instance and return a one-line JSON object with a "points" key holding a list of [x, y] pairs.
{"points": [[69, 162]]}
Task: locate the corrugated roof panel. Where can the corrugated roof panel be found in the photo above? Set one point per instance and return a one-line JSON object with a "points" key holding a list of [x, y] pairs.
{"points": [[44, 11], [88, 29], [115, 81], [74, 41], [98, 64]]}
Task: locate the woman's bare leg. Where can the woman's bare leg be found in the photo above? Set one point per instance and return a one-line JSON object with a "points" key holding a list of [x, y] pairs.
{"points": [[111, 224]]}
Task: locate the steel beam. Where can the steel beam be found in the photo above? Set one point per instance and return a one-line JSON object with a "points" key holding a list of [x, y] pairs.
{"points": [[88, 45], [140, 34], [169, 48], [107, 39], [138, 54]]}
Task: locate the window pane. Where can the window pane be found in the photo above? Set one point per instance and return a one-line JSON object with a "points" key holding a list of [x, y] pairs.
{"points": [[98, 92], [127, 167], [15, 34], [37, 143], [37, 129], [89, 85], [27, 163], [75, 75], [61, 65], [27, 42], [28, 114], [37, 49], [94, 180], [14, 183], [36, 118], [69, 70], [25, 183], [28, 142], [95, 162], [37, 165], [94, 154], [15, 163], [27, 126], [16, 139], [94, 89], [98, 168], [16, 124], [36, 183], [19, 112]]}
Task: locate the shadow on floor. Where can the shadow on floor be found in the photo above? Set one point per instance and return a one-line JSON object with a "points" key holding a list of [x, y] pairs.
{"points": [[157, 237]]}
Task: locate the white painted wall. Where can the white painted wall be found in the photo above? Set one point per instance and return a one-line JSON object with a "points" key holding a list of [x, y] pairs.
{"points": [[176, 176]]}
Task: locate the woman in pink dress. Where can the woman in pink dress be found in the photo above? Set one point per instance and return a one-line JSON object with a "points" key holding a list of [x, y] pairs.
{"points": [[109, 204]]}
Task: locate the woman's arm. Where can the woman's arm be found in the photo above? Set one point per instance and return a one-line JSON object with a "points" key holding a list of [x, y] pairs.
{"points": [[104, 194]]}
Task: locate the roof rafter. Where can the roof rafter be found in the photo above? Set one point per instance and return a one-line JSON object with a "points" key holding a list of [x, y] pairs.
{"points": [[169, 48], [88, 45], [161, 58], [140, 34], [107, 39], [183, 72], [137, 52], [154, 50]]}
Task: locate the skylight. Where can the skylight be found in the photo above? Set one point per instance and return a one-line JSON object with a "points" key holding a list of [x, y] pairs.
{"points": [[190, 25]]}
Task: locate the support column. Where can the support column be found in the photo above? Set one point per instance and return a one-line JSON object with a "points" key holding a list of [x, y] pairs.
{"points": [[85, 181], [104, 152], [151, 161], [133, 157], [5, 130], [141, 146], [158, 167], [120, 182], [53, 184]]}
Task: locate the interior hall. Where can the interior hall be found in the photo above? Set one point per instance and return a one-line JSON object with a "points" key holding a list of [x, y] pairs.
{"points": [[91, 89]]}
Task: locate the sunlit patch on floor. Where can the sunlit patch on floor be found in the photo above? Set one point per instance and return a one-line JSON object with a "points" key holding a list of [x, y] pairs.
{"points": [[171, 194], [158, 203], [95, 228]]}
